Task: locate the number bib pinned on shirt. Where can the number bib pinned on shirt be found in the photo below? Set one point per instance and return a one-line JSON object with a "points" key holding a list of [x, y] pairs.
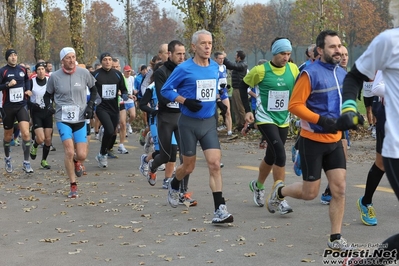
{"points": [[16, 94], [278, 101], [108, 91], [70, 113], [206, 90]]}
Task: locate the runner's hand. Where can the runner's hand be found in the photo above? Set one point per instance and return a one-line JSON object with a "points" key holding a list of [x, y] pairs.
{"points": [[328, 124], [193, 105]]}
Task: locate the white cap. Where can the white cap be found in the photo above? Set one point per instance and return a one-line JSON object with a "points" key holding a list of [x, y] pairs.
{"points": [[65, 51]]}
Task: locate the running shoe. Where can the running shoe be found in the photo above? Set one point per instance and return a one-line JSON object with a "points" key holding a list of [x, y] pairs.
{"points": [[102, 160], [122, 150], [284, 208], [16, 141], [52, 148], [259, 194], [148, 145], [325, 198], [221, 215], [165, 183], [245, 129], [101, 133], [74, 192], [297, 164], [33, 152], [273, 201], [143, 165], [338, 244], [221, 128], [142, 137], [97, 136], [44, 164], [367, 213], [151, 176], [112, 155], [27, 168], [78, 168], [221, 165], [232, 136], [12, 142], [293, 153], [9, 167], [129, 129], [173, 196], [185, 199], [373, 133], [161, 167]]}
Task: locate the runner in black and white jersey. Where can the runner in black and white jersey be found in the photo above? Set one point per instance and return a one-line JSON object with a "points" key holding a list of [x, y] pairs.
{"points": [[42, 122], [14, 82]]}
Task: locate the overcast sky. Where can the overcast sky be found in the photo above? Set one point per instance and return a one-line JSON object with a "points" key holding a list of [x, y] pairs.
{"points": [[118, 7]]}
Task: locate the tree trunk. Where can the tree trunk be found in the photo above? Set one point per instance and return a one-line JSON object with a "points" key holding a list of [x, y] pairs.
{"points": [[42, 49], [12, 22], [75, 27]]}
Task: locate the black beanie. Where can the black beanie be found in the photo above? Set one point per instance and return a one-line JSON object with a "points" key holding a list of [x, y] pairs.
{"points": [[9, 52], [104, 55]]}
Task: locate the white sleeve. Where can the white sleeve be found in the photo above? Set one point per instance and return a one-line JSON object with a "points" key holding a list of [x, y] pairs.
{"points": [[377, 56], [378, 88]]}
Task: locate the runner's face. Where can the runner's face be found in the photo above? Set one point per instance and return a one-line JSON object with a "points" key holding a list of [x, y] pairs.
{"points": [[203, 47], [219, 59], [116, 65], [332, 50], [344, 57], [41, 72], [106, 63], [69, 61], [281, 59], [178, 55], [12, 59]]}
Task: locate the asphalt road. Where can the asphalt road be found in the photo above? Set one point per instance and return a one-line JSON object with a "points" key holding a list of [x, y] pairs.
{"points": [[119, 219]]}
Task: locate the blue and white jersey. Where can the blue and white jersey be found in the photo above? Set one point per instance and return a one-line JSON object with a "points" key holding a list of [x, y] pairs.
{"points": [[192, 81], [222, 76]]}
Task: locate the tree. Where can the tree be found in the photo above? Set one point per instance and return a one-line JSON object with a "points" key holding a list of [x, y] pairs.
{"points": [[256, 28], [75, 8], [359, 24], [58, 38], [102, 32], [39, 28], [205, 14]]}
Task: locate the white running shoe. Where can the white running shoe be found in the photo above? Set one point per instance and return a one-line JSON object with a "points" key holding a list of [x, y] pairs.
{"points": [[27, 168], [221, 215], [102, 160]]}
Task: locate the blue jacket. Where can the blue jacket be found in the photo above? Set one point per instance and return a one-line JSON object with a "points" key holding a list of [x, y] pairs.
{"points": [[326, 90]]}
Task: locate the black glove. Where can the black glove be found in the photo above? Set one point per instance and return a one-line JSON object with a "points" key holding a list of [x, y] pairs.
{"points": [[35, 106], [223, 85], [222, 107], [89, 110], [328, 124], [50, 109], [154, 113], [228, 86], [349, 120], [193, 105]]}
